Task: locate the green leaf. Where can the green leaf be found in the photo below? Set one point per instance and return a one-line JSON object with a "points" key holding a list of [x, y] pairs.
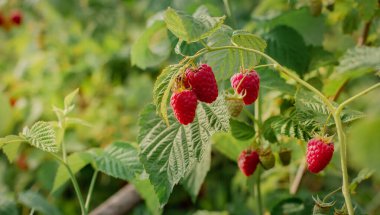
{"points": [[310, 110], [271, 80], [191, 28], [291, 127], [169, 152], [248, 40], [68, 101], [241, 130], [7, 206], [351, 21], [193, 181], [10, 139], [42, 136], [37, 202], [11, 151], [76, 161], [152, 47], [162, 88], [268, 132], [226, 62], [120, 160], [310, 27], [288, 47], [363, 175], [146, 191], [360, 58], [226, 144]]}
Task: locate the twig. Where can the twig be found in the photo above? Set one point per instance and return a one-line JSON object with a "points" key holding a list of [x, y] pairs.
{"points": [[297, 180], [363, 38], [121, 202]]}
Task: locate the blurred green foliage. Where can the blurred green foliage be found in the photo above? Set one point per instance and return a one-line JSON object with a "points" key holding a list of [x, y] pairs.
{"points": [[86, 44]]}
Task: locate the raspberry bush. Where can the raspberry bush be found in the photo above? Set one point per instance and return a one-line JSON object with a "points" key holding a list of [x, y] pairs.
{"points": [[267, 108]]}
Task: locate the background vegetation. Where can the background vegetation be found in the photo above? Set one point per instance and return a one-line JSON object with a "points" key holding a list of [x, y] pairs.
{"points": [[96, 46]]}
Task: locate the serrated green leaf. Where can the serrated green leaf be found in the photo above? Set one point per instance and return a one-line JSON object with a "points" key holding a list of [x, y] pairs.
{"points": [[241, 130], [162, 88], [152, 47], [120, 160], [191, 28], [169, 152], [194, 179], [146, 191], [68, 101], [363, 175], [42, 136], [226, 144], [37, 202], [360, 58], [227, 62], [310, 110], [287, 46], [7, 205], [76, 161], [291, 127], [11, 150]]}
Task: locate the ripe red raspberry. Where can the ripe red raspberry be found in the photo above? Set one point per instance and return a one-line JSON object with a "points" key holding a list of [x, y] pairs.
{"points": [[184, 105], [319, 154], [16, 17], [248, 161], [203, 83], [249, 86]]}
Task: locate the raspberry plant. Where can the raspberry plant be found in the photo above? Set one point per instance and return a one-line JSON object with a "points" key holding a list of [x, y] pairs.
{"points": [[220, 84]]}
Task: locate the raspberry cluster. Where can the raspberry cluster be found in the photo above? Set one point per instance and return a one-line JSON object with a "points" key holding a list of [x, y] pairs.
{"points": [[200, 84]]}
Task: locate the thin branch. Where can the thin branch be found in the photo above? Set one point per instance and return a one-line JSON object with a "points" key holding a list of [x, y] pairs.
{"points": [[363, 38], [297, 180], [120, 203]]}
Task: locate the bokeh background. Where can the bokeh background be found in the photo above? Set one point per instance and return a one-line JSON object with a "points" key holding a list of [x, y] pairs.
{"points": [[62, 45]]}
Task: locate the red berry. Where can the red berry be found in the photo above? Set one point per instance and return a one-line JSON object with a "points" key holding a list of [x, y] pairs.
{"points": [[249, 86], [319, 154], [16, 17], [248, 161], [203, 83], [1, 20], [184, 105], [12, 101]]}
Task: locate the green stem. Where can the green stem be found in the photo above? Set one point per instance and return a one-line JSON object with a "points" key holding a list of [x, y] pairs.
{"points": [[75, 183], [258, 187], [281, 69], [90, 190], [345, 103], [343, 163]]}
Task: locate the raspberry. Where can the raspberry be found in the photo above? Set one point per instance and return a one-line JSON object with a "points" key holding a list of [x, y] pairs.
{"points": [[319, 154], [184, 105], [248, 87], [234, 105], [267, 159], [248, 161], [16, 17], [203, 83]]}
